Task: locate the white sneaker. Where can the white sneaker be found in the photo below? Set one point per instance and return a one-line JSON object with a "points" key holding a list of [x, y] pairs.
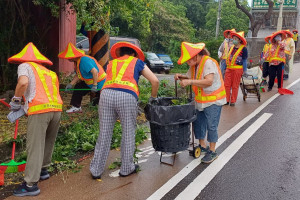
{"points": [[74, 109]]}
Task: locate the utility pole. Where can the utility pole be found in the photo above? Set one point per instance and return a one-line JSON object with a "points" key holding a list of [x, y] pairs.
{"points": [[218, 18], [279, 22]]}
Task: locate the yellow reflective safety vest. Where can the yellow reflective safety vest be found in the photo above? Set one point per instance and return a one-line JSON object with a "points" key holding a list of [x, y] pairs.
{"points": [[274, 56], [231, 64], [226, 50], [265, 50], [200, 95], [90, 81], [295, 37], [47, 97], [120, 74]]}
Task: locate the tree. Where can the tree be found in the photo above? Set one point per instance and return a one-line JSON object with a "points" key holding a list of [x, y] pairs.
{"points": [[169, 27], [231, 17], [255, 24]]}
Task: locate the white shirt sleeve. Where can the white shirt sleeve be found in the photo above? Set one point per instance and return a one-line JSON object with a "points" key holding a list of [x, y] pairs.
{"points": [[209, 68], [24, 69]]}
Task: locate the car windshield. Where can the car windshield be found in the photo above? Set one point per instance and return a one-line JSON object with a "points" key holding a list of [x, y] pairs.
{"points": [[152, 56], [165, 58]]}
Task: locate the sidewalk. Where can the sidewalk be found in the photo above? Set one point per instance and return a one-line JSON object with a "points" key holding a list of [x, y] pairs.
{"points": [[152, 175]]}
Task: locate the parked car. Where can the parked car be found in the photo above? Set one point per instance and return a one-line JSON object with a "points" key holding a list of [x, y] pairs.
{"points": [[155, 64], [166, 59], [82, 42]]}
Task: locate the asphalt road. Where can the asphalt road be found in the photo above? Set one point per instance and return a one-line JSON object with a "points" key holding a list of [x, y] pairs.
{"points": [[258, 159], [265, 167]]}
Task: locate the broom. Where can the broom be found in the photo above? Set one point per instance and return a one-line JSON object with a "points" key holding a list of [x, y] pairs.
{"points": [[12, 166]]}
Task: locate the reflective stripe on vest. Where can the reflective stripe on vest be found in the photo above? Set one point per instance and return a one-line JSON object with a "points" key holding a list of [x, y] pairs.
{"points": [[47, 97], [226, 50], [200, 95], [90, 81], [295, 37], [115, 79], [232, 64], [275, 57], [265, 50]]}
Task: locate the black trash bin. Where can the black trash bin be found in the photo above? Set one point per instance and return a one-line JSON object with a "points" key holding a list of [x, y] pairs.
{"points": [[170, 124]]}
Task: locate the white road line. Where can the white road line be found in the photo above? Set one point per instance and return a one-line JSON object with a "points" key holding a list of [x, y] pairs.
{"points": [[158, 194], [200, 182], [142, 161], [151, 149]]}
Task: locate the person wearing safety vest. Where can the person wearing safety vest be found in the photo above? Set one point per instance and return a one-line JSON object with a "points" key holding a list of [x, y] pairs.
{"points": [[224, 49], [276, 55], [236, 65], [295, 37], [265, 62], [118, 100], [90, 76], [289, 54], [43, 106], [205, 77]]}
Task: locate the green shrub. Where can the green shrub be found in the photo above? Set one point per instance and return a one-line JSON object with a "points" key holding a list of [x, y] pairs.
{"points": [[213, 47]]}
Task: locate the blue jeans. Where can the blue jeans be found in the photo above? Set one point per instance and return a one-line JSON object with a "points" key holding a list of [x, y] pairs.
{"points": [[223, 67], [208, 121]]}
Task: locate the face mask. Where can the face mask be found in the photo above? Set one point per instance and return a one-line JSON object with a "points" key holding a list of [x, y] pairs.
{"points": [[278, 38], [227, 39], [235, 42], [270, 41]]}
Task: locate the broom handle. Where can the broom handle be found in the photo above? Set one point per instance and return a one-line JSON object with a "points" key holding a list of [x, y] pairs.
{"points": [[3, 101], [16, 131], [14, 142]]}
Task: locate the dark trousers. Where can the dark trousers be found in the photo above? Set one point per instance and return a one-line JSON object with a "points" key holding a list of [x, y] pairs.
{"points": [[265, 69], [79, 94], [275, 70]]}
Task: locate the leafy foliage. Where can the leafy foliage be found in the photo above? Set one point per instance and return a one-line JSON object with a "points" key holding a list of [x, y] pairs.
{"points": [[80, 133], [231, 17], [169, 24]]}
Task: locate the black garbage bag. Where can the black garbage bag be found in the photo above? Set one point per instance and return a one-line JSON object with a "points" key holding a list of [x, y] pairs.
{"points": [[170, 124], [163, 112]]}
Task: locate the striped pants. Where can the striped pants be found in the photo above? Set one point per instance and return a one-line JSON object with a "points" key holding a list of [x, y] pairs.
{"points": [[115, 104]]}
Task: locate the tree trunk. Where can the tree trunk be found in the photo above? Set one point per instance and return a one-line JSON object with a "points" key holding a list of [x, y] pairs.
{"points": [[255, 24]]}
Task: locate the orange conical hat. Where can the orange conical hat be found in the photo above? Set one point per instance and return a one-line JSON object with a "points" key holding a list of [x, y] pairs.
{"points": [[268, 38], [29, 54], [71, 52], [240, 35], [288, 32], [189, 50], [283, 35], [228, 31]]}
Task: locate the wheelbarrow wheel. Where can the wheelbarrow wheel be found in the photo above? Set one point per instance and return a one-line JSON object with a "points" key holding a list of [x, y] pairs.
{"points": [[196, 152]]}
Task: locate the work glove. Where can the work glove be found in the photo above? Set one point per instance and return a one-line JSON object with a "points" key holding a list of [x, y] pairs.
{"points": [[68, 87], [14, 115], [15, 106], [152, 100], [94, 88]]}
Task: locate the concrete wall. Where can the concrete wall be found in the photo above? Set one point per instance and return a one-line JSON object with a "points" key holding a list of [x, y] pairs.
{"points": [[254, 47]]}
